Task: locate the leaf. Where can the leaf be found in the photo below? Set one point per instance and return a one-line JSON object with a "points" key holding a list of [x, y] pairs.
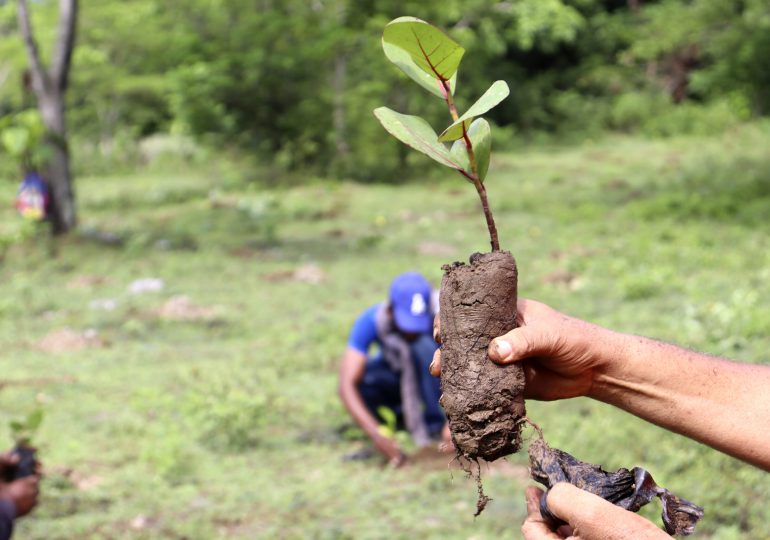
{"points": [[480, 136], [34, 419], [429, 48], [494, 95], [417, 133], [16, 140], [404, 61]]}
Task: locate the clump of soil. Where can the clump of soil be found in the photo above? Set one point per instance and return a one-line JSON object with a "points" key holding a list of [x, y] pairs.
{"points": [[629, 489], [483, 401]]}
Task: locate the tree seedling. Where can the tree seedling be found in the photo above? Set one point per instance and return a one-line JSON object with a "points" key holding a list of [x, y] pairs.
{"points": [[478, 300], [22, 432]]}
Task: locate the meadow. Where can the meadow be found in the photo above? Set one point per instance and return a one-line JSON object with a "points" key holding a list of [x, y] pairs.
{"points": [[184, 343]]}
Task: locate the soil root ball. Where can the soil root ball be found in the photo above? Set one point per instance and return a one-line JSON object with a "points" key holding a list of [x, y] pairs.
{"points": [[483, 401], [629, 489]]}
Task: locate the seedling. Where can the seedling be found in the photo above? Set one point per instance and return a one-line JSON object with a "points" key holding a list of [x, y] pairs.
{"points": [[22, 432], [483, 402]]}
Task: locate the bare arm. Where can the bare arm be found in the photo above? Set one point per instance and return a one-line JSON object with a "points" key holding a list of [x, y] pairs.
{"points": [[715, 401], [723, 404], [352, 370]]}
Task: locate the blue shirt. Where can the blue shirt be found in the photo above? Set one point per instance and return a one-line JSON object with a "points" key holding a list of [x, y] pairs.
{"points": [[364, 331]]}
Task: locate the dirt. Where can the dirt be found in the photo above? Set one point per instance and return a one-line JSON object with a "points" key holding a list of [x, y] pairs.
{"points": [[182, 308], [68, 340], [629, 489], [483, 401]]}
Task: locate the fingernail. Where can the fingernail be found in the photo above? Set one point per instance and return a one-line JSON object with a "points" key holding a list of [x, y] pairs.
{"points": [[432, 366], [502, 349]]}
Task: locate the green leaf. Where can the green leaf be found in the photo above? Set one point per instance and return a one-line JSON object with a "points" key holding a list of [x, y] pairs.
{"points": [[16, 140], [494, 95], [430, 49], [417, 133], [404, 61], [480, 136], [34, 419]]}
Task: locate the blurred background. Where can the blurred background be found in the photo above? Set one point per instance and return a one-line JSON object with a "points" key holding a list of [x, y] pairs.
{"points": [[236, 205]]}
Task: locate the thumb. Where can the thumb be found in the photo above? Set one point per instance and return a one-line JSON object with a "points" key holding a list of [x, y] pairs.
{"points": [[518, 344], [593, 518]]}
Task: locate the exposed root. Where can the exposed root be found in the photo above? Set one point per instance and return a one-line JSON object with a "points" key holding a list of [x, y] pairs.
{"points": [[482, 501]]}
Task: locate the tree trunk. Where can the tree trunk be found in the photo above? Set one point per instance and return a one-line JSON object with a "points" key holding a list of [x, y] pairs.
{"points": [[339, 118], [50, 87]]}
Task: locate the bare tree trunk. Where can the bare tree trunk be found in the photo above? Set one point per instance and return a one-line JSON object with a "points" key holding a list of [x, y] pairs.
{"points": [[339, 84], [50, 87]]}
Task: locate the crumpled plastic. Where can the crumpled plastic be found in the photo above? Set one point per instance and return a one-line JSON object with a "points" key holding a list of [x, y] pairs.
{"points": [[629, 489]]}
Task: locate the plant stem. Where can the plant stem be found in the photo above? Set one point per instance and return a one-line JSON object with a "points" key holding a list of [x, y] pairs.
{"points": [[473, 176]]}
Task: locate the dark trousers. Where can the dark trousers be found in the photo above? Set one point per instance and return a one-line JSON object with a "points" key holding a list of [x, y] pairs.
{"points": [[381, 387]]}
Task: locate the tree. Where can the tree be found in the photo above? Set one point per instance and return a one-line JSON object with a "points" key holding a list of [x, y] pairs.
{"points": [[50, 88]]}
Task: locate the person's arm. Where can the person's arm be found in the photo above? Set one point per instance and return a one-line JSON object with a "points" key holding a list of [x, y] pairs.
{"points": [[7, 515], [715, 401], [352, 370]]}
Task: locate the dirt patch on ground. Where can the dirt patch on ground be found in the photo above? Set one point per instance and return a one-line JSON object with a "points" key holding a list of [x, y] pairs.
{"points": [[182, 308], [87, 281], [69, 340], [307, 273]]}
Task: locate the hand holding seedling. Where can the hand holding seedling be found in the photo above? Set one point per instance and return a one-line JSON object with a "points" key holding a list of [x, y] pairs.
{"points": [[563, 352], [562, 357]]}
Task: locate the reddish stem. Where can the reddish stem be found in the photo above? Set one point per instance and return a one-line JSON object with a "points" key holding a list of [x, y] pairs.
{"points": [[474, 175]]}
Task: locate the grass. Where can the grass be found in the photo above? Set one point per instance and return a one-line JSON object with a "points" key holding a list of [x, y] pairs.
{"points": [[224, 422]]}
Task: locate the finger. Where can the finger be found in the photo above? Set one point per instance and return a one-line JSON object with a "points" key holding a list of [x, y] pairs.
{"points": [[535, 527], [9, 458], [519, 343], [435, 365], [594, 517], [532, 495], [437, 329]]}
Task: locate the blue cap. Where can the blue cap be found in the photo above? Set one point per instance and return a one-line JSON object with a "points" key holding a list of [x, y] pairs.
{"points": [[410, 301]]}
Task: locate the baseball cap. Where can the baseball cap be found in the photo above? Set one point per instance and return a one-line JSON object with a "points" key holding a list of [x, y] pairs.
{"points": [[410, 300]]}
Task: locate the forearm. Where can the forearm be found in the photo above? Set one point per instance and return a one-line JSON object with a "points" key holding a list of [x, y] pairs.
{"points": [[355, 405], [720, 403], [7, 515]]}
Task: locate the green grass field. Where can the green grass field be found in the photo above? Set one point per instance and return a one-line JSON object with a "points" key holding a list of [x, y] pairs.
{"points": [[208, 409]]}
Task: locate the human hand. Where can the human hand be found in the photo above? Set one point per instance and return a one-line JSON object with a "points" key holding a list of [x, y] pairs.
{"points": [[8, 462], [23, 493], [389, 448], [561, 355], [588, 517]]}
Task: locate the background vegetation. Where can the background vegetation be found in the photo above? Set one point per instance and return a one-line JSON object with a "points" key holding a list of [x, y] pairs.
{"points": [[293, 83], [227, 149]]}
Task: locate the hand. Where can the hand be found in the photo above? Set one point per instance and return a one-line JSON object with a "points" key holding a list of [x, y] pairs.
{"points": [[390, 449], [22, 493], [446, 444], [8, 462], [588, 516], [561, 355]]}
